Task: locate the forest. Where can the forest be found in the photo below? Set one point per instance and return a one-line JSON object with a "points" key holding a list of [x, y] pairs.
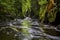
{"points": [[10, 9], [19, 19]]}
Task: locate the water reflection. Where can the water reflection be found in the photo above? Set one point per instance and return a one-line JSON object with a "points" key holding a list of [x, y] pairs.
{"points": [[36, 32]]}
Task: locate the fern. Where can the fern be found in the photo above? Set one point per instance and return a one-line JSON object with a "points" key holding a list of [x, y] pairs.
{"points": [[43, 9], [26, 5]]}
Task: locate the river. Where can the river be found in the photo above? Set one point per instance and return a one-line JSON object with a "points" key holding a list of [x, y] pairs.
{"points": [[11, 30]]}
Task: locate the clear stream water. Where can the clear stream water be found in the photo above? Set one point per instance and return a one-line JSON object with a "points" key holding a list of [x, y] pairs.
{"points": [[36, 32]]}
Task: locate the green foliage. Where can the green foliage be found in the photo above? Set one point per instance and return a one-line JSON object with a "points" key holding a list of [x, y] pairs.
{"points": [[52, 14], [26, 5], [42, 2], [42, 10], [34, 8], [7, 10], [8, 6], [19, 8], [42, 13]]}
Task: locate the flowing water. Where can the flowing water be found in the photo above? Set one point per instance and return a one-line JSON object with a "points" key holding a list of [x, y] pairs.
{"points": [[12, 30]]}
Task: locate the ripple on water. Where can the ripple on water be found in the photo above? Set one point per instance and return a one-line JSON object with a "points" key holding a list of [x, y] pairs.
{"points": [[52, 37]]}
